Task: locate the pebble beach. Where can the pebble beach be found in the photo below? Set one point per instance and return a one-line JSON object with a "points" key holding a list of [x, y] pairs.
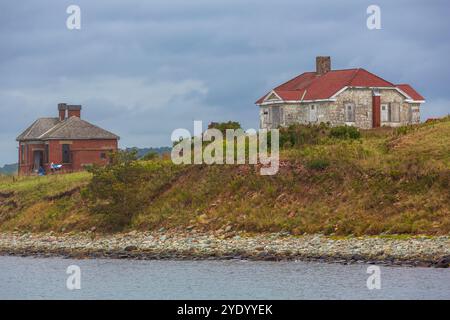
{"points": [[419, 251]]}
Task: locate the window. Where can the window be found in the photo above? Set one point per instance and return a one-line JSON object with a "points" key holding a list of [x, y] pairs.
{"points": [[395, 112], [410, 114], [385, 113], [349, 112], [66, 153], [312, 113], [46, 154], [276, 116], [22, 153], [103, 155]]}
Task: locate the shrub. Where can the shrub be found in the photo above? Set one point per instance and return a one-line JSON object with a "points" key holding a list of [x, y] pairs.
{"points": [[345, 132], [115, 192], [152, 155], [298, 135], [223, 126], [123, 188], [403, 130], [318, 164]]}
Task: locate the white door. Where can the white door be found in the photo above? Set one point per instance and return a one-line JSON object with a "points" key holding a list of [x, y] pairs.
{"points": [[384, 113], [313, 113]]}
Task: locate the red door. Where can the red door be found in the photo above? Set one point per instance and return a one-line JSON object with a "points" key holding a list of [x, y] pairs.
{"points": [[376, 112]]}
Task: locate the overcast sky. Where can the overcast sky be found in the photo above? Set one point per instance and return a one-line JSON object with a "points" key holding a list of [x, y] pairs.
{"points": [[144, 68]]}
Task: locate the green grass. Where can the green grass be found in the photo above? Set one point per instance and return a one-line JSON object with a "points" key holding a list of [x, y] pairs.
{"points": [[42, 184], [27, 209], [389, 182]]}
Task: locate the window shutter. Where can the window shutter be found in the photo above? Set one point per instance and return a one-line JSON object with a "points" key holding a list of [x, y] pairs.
{"points": [[395, 112]]}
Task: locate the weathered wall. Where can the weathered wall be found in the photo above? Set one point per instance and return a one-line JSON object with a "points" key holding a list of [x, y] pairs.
{"points": [[89, 152], [415, 112], [26, 166], [83, 152], [333, 112]]}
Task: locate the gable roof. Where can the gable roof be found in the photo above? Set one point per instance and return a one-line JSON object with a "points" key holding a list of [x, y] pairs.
{"points": [[72, 128], [311, 87]]}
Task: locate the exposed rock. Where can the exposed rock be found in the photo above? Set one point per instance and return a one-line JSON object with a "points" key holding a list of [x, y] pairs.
{"points": [[203, 219]]}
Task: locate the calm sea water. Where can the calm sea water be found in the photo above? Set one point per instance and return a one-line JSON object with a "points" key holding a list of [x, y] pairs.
{"points": [[45, 278]]}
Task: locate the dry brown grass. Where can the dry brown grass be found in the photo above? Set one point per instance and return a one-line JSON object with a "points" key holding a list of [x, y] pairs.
{"points": [[387, 182]]}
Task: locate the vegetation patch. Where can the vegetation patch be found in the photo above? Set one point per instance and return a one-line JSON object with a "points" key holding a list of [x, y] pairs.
{"points": [[382, 182]]}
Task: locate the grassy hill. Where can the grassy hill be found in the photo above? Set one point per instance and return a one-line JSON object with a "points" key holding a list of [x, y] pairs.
{"points": [[385, 182]]}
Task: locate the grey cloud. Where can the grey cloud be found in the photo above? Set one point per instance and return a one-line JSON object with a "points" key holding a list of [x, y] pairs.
{"points": [[142, 69]]}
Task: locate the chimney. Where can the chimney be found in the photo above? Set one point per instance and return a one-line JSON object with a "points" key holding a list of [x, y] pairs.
{"points": [[323, 65], [74, 111], [62, 107]]}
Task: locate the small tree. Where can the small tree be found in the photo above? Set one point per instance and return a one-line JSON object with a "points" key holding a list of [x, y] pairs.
{"points": [[115, 191]]}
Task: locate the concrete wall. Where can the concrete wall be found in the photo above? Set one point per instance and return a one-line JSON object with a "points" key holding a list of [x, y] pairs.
{"points": [[333, 112]]}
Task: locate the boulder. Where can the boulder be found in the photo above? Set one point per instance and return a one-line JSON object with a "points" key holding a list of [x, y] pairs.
{"points": [[444, 262], [130, 248]]}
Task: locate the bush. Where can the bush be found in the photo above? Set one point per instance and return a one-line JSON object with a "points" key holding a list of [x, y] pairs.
{"points": [[318, 164], [223, 126], [115, 191], [298, 135], [152, 155], [403, 130], [345, 132]]}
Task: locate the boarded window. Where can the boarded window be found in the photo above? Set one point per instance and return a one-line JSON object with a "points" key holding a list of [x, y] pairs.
{"points": [[22, 153], [46, 154], [313, 113], [349, 112], [395, 112], [66, 153], [411, 111], [277, 116]]}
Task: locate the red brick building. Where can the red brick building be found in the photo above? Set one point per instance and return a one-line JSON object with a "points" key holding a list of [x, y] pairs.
{"points": [[67, 140]]}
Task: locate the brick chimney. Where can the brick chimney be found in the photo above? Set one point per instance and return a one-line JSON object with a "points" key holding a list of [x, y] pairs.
{"points": [[74, 111], [323, 65], [62, 109]]}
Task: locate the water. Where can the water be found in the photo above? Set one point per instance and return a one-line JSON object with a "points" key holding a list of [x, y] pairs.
{"points": [[45, 278]]}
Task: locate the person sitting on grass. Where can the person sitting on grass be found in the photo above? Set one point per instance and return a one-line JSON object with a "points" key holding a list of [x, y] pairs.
{"points": [[41, 171], [55, 167]]}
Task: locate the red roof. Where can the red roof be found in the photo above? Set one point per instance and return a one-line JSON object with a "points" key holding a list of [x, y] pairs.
{"points": [[309, 86], [410, 92]]}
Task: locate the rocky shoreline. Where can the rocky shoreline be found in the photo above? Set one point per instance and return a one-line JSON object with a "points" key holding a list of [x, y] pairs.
{"points": [[191, 245]]}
